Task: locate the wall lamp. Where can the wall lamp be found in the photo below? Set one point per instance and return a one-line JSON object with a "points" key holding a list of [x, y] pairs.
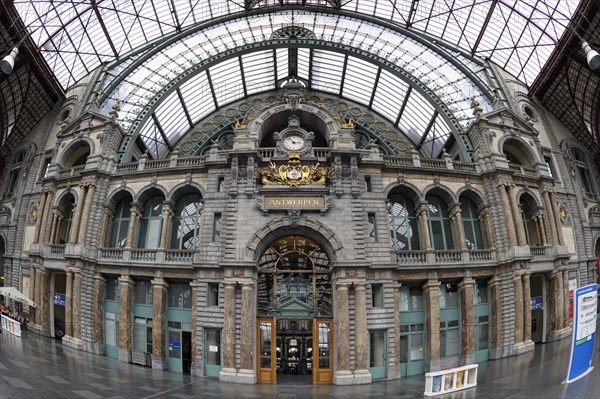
{"points": [[593, 58]]}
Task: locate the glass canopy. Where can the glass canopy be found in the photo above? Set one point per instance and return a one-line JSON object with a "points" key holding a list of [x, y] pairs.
{"points": [[418, 64]]}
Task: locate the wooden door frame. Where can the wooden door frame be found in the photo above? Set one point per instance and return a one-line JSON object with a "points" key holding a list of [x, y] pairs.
{"points": [[316, 352], [273, 369]]}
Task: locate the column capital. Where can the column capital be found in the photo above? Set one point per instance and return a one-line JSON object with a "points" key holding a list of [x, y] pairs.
{"points": [[99, 277], [247, 285], [342, 285], [431, 284], [467, 281], [159, 282], [361, 285], [397, 286], [126, 280]]}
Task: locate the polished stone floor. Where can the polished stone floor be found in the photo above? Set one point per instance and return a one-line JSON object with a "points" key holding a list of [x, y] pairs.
{"points": [[40, 367]]}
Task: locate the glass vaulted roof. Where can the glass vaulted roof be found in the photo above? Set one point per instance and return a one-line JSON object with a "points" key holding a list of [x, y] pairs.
{"points": [[416, 63]]}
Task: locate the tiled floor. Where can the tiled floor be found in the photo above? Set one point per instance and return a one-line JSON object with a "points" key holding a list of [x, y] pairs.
{"points": [[40, 367]]}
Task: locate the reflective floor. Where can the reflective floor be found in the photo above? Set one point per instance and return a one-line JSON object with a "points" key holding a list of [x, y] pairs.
{"points": [[40, 367]]}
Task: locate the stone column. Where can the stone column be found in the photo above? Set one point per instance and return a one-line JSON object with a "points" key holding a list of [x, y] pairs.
{"points": [[342, 327], [159, 325], [69, 304], [526, 307], [397, 287], [43, 301], [247, 329], [542, 230], [33, 292], [458, 228], [125, 314], [77, 276], [556, 213], [133, 226], [566, 317], [47, 208], [87, 207], [560, 302], [53, 228], [431, 296], [552, 302], [495, 317], [195, 359], [40, 218], [106, 224], [229, 329], [166, 225], [518, 292], [508, 215], [467, 321], [361, 332], [518, 220], [424, 225], [99, 289], [74, 233], [551, 220]]}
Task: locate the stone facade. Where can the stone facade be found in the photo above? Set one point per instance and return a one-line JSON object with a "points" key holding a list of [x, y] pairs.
{"points": [[368, 276]]}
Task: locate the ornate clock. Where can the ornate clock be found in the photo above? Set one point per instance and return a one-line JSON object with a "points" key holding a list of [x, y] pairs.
{"points": [[293, 139]]}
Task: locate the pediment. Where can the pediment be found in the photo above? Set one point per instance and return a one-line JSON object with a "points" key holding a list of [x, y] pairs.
{"points": [[507, 118], [294, 308]]}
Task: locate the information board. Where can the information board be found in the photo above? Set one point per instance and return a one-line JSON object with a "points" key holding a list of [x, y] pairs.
{"points": [[584, 333]]}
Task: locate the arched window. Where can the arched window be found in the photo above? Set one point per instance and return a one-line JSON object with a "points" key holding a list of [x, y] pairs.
{"points": [[186, 223], [66, 222], [471, 224], [531, 231], [403, 223], [151, 223], [583, 172], [440, 226], [120, 225]]}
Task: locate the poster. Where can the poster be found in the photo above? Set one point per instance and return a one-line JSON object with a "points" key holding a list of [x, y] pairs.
{"points": [[584, 334]]}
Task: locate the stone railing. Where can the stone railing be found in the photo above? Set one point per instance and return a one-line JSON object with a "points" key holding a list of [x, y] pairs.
{"points": [[429, 163], [57, 249], [482, 255], [111, 253], [523, 170], [404, 257], [158, 164], [448, 256], [74, 171], [538, 251], [160, 256], [398, 161], [179, 256]]}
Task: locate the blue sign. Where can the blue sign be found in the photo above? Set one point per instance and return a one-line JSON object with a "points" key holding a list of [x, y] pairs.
{"points": [[174, 344], [59, 299], [584, 332], [536, 303]]}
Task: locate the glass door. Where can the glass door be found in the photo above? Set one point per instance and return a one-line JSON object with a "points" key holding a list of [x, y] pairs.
{"points": [[267, 370], [412, 344], [174, 359], [378, 354], [322, 354], [212, 350]]}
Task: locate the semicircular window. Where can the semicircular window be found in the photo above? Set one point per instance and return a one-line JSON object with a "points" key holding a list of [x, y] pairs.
{"points": [[293, 279]]}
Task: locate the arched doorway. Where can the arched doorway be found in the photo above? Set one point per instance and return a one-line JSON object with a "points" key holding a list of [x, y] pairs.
{"points": [[295, 313]]}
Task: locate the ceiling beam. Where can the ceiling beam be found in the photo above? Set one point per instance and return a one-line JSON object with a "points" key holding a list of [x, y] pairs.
{"points": [[484, 27]]}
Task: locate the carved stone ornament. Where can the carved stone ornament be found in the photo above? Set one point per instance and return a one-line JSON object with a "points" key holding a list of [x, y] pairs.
{"points": [[294, 173], [351, 273], [237, 273]]}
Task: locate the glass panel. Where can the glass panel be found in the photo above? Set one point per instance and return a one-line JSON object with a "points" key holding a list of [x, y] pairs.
{"points": [[377, 295], [213, 347], [142, 292], [175, 344], [481, 292], [112, 289], [112, 328], [404, 348], [377, 352], [213, 294], [483, 338], [265, 345], [449, 296], [416, 346], [324, 349]]}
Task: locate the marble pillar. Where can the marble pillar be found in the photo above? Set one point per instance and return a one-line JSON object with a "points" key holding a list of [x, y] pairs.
{"points": [[566, 307], [74, 233], [458, 228], [508, 215], [40, 218], [560, 300], [518, 308], [99, 289], [467, 321], [518, 220], [361, 334], [43, 303], [551, 219], [342, 328], [166, 225], [159, 326], [229, 329], [526, 307], [33, 292], [54, 227], [77, 277], [85, 217], [125, 315], [552, 303], [397, 287], [495, 318], [133, 226], [431, 297], [247, 330], [47, 207], [69, 304], [424, 226], [195, 358]]}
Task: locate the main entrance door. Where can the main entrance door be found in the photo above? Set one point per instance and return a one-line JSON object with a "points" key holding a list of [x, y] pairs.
{"points": [[296, 351]]}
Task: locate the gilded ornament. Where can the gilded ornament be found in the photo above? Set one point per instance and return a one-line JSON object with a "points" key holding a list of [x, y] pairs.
{"points": [[294, 173]]}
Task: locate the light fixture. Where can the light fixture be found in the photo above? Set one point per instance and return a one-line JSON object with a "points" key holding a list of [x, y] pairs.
{"points": [[8, 62], [593, 58]]}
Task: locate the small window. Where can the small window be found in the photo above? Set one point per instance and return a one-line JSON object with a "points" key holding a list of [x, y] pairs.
{"points": [[12, 182], [368, 186], [180, 296], [550, 165], [112, 289], [221, 184], [44, 171], [372, 227], [213, 294], [142, 292], [216, 236], [377, 295]]}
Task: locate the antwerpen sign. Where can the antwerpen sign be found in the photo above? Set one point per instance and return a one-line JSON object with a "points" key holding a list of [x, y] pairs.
{"points": [[278, 203]]}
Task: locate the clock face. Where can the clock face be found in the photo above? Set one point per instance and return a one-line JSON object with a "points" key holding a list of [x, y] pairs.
{"points": [[293, 143]]}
